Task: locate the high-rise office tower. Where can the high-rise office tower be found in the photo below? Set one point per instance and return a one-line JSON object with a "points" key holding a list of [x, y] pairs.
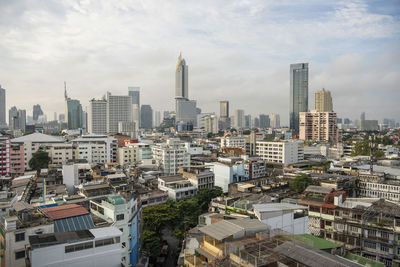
{"points": [[224, 108], [275, 121], [134, 92], [181, 79], [323, 101], [239, 118], [146, 117], [186, 111], [37, 111], [157, 118], [298, 93], [17, 119], [55, 116], [224, 120], [2, 106], [73, 111], [61, 117], [97, 117], [362, 117], [247, 121], [119, 109], [264, 121]]}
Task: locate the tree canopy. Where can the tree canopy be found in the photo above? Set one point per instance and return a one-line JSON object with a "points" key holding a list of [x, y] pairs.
{"points": [[300, 183], [176, 216], [40, 160]]}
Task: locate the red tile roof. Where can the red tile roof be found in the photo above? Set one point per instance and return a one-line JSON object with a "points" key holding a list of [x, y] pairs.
{"points": [[64, 211]]}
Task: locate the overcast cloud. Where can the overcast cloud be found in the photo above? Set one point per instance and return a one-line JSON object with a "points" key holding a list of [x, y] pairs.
{"points": [[236, 50]]}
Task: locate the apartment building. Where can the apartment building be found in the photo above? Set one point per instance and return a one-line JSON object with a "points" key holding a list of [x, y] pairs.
{"points": [[128, 155], [35, 141], [123, 215], [96, 148], [4, 155], [284, 152], [17, 160], [177, 187], [227, 171], [95, 247], [254, 169], [379, 188], [214, 247], [171, 156], [318, 126], [370, 228], [233, 141], [199, 176]]}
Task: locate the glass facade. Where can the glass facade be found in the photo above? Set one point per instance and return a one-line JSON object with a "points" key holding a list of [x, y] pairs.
{"points": [[298, 93]]}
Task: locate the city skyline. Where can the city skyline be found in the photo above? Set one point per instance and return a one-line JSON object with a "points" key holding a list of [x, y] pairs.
{"points": [[360, 67]]}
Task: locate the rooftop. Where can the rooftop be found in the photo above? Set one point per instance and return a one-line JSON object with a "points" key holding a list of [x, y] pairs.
{"points": [[64, 211], [224, 229], [170, 179], [45, 240], [270, 207], [318, 189], [38, 138]]}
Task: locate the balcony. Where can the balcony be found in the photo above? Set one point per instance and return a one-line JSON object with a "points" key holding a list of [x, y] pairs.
{"points": [[327, 217]]}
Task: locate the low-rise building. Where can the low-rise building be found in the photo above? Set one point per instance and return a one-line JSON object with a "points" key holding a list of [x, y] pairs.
{"points": [[171, 156], [177, 187], [283, 152], [199, 176], [96, 148], [287, 217], [227, 171], [233, 141], [95, 247]]}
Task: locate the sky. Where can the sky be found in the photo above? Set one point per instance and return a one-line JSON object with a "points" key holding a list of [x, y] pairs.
{"points": [[236, 50]]}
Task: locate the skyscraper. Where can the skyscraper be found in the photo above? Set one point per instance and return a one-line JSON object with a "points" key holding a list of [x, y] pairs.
{"points": [[275, 121], [298, 93], [73, 111], [37, 111], [239, 118], [134, 92], [224, 120], [323, 101], [97, 117], [181, 79], [17, 119], [247, 121], [119, 109], [264, 121], [157, 118], [362, 116], [146, 117], [2, 106], [186, 111]]}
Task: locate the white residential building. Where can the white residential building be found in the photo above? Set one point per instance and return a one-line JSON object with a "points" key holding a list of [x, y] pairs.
{"points": [[119, 109], [284, 152], [288, 217], [95, 247], [199, 176], [60, 154], [128, 155], [210, 123], [35, 141], [227, 172], [118, 211], [177, 187], [233, 141], [170, 156], [96, 148], [97, 121]]}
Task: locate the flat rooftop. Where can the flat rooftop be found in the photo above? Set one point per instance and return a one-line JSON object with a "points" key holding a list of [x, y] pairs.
{"points": [[45, 240], [270, 207]]}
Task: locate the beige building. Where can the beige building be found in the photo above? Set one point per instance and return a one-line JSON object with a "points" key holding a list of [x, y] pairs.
{"points": [[323, 101], [318, 126], [128, 155]]}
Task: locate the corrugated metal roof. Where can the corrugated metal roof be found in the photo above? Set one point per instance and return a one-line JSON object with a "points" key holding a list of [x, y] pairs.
{"points": [[75, 223], [64, 211], [226, 228], [318, 189]]}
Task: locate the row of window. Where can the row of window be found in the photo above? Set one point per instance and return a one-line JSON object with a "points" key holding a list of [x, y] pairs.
{"points": [[89, 245]]}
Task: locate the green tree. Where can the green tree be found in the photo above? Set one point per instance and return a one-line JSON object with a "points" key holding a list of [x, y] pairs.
{"points": [[40, 160], [300, 183], [210, 135], [151, 242], [387, 140], [361, 148]]}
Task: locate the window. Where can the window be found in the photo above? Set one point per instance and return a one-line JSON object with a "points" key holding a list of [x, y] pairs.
{"points": [[19, 237], [108, 241], [385, 235], [370, 245], [384, 248], [120, 217], [100, 210], [19, 254], [78, 247], [121, 229]]}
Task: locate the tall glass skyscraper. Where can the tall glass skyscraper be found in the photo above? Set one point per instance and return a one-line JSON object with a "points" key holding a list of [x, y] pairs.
{"points": [[298, 93], [181, 79], [2, 106]]}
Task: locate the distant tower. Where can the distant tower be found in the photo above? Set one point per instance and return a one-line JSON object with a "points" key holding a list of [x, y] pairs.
{"points": [[2, 106], [181, 79], [298, 93], [362, 117], [323, 101]]}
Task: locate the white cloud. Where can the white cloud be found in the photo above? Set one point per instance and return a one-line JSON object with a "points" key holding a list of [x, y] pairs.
{"points": [[236, 50]]}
